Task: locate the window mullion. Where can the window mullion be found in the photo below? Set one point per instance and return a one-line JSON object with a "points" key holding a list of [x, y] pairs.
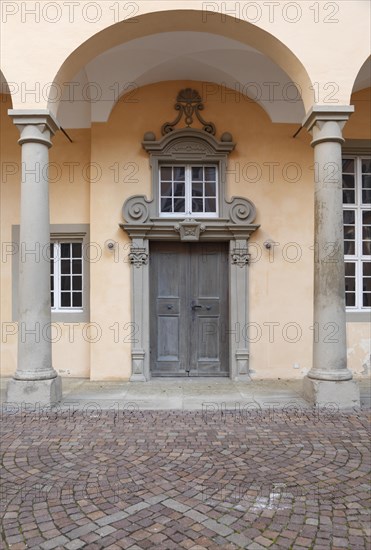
{"points": [[188, 172]]}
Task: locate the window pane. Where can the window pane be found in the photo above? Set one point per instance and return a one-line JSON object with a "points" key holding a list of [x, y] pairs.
{"points": [[179, 173], [76, 250], [77, 283], [349, 216], [366, 196], [52, 299], [366, 232], [166, 189], [77, 299], [349, 197], [179, 205], [65, 283], [350, 300], [76, 266], [210, 205], [366, 181], [51, 250], [197, 173], [210, 189], [350, 284], [65, 250], [348, 181], [179, 189], [65, 266], [366, 248], [349, 247], [366, 217], [367, 299], [367, 269], [366, 166], [197, 205], [210, 173], [166, 173], [166, 205], [348, 165], [65, 299], [197, 189], [349, 231], [350, 269]]}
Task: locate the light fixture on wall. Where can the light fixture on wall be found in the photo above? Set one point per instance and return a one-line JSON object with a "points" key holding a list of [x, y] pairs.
{"points": [[111, 245], [268, 244]]}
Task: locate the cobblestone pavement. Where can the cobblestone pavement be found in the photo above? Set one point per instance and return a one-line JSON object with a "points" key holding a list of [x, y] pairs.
{"points": [[185, 480]]}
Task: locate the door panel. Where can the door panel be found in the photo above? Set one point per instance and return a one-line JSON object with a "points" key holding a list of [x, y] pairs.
{"points": [[189, 309], [209, 291], [168, 324]]}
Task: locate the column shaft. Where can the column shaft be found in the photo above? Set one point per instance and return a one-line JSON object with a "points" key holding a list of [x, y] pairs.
{"points": [[35, 379], [329, 380]]}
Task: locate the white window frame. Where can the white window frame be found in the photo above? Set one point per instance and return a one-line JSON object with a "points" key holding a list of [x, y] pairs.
{"points": [[358, 257], [188, 190], [58, 308], [58, 232]]}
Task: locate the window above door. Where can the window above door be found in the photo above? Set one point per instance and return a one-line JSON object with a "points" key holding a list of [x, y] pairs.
{"points": [[188, 190], [188, 173]]}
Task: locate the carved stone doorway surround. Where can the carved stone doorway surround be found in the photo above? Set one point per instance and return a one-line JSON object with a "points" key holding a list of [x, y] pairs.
{"points": [[234, 223]]}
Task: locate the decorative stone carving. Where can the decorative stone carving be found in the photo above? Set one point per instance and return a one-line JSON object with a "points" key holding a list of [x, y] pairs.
{"points": [[189, 103], [241, 210], [144, 222], [190, 230], [136, 209], [138, 256], [240, 257]]}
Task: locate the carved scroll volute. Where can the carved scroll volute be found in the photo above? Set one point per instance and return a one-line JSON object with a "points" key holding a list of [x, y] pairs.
{"points": [[136, 209], [241, 210]]}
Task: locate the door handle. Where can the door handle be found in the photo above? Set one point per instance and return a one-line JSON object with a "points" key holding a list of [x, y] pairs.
{"points": [[196, 307]]}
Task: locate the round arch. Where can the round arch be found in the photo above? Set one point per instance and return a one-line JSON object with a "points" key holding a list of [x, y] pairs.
{"points": [[362, 76], [4, 86], [185, 20]]}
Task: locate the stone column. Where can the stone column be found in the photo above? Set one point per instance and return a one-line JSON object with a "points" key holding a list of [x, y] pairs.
{"points": [[329, 380], [35, 380]]}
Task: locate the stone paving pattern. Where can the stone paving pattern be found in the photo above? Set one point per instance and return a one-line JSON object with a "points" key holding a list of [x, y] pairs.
{"points": [[185, 480]]}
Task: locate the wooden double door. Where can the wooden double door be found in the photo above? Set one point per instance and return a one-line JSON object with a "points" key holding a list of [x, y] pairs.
{"points": [[189, 309]]}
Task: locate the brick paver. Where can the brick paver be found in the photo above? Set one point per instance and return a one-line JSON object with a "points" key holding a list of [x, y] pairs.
{"points": [[183, 480]]}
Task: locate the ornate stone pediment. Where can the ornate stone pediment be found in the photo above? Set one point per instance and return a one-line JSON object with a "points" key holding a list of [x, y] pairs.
{"points": [[142, 216], [141, 219]]}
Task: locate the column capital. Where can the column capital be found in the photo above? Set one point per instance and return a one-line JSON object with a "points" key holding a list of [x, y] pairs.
{"points": [[326, 123], [34, 125]]}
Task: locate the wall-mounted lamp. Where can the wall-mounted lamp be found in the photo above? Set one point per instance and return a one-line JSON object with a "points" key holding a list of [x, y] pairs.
{"points": [[111, 245], [268, 244]]}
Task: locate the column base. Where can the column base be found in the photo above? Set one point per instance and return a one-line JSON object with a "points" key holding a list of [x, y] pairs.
{"points": [[344, 394], [43, 392]]}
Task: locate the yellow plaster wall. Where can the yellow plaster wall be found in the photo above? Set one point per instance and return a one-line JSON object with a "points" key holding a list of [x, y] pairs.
{"points": [[285, 210], [340, 29], [281, 281]]}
